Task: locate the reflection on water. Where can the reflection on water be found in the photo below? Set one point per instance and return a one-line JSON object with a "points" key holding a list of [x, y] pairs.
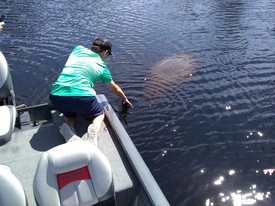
{"points": [[238, 197], [209, 140]]}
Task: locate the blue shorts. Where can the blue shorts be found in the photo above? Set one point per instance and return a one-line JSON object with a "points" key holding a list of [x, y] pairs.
{"points": [[88, 107]]}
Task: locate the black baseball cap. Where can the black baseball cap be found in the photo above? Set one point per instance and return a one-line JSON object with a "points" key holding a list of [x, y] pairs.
{"points": [[103, 44]]}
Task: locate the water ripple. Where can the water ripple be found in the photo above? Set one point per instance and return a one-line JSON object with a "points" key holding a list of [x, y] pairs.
{"points": [[219, 120]]}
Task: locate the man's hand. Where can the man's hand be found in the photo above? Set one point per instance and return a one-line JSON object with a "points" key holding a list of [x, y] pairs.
{"points": [[118, 91], [127, 103]]}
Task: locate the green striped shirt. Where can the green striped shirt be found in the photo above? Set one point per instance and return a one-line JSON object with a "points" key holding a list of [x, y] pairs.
{"points": [[82, 69]]}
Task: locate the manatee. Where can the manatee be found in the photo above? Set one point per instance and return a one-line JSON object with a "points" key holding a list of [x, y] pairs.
{"points": [[168, 73]]}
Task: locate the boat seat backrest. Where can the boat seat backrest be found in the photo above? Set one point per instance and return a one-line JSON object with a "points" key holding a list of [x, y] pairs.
{"points": [[5, 78], [75, 173], [11, 190], [7, 122]]}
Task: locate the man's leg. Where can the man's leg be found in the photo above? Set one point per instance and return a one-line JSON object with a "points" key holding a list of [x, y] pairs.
{"points": [[98, 121], [93, 129], [70, 121], [63, 104], [67, 130]]}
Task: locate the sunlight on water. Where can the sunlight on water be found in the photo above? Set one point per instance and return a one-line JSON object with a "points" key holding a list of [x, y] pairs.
{"points": [[257, 134], [239, 197], [219, 181], [268, 171], [228, 107]]}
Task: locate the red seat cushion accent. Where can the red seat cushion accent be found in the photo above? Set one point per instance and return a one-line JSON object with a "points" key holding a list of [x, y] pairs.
{"points": [[75, 175]]}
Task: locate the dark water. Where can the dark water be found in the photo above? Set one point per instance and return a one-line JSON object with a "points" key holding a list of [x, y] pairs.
{"points": [[210, 141]]}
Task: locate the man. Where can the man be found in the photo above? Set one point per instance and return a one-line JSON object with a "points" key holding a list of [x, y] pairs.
{"points": [[73, 92]]}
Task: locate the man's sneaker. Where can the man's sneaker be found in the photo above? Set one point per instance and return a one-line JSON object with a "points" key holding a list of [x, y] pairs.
{"points": [[92, 134], [74, 138], [68, 133]]}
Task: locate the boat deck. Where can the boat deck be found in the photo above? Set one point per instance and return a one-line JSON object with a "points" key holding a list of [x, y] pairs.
{"points": [[28, 143]]}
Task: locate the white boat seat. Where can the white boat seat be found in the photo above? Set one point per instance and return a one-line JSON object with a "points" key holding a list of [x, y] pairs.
{"points": [[75, 173], [11, 190], [6, 88], [7, 102], [7, 122]]}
